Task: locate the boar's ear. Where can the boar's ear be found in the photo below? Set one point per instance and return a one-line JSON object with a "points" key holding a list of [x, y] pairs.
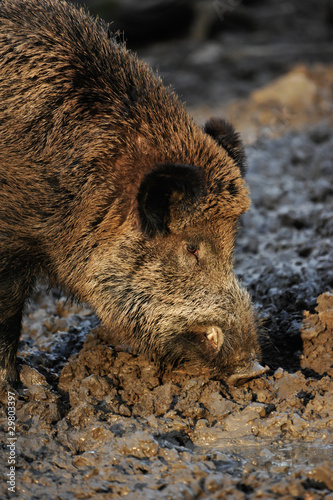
{"points": [[162, 187], [226, 136]]}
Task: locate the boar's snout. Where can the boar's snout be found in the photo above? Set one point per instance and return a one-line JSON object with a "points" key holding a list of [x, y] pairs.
{"points": [[254, 370], [229, 345]]}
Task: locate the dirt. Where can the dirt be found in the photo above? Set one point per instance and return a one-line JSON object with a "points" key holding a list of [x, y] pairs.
{"points": [[95, 420], [113, 426]]}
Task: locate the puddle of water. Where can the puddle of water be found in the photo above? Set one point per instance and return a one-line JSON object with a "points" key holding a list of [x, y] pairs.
{"points": [[284, 456]]}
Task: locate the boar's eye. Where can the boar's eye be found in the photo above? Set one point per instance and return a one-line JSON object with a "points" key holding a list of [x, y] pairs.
{"points": [[193, 249]]}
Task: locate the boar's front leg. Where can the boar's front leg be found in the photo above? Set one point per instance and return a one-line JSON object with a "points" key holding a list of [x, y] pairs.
{"points": [[15, 285]]}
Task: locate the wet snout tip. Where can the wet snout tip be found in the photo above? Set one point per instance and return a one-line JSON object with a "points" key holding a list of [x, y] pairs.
{"points": [[215, 335], [255, 370]]}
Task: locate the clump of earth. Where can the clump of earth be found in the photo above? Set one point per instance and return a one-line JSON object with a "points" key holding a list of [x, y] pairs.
{"points": [[95, 420]]}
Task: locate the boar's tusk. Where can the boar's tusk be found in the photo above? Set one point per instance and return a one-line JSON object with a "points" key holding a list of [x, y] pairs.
{"points": [[215, 336]]}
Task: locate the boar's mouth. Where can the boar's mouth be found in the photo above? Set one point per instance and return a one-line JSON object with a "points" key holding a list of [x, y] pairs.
{"points": [[235, 364]]}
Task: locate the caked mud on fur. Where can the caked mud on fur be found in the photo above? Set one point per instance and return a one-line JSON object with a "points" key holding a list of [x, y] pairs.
{"points": [[110, 190]]}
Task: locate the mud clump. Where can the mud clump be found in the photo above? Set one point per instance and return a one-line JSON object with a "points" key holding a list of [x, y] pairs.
{"points": [[103, 380], [317, 337], [129, 384]]}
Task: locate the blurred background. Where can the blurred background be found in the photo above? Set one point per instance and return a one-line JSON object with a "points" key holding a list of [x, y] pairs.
{"points": [[212, 51]]}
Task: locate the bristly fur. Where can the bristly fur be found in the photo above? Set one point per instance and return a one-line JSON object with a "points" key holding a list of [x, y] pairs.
{"points": [[109, 189]]}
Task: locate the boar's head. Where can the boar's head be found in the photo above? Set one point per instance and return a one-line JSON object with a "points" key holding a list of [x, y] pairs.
{"points": [[172, 290]]}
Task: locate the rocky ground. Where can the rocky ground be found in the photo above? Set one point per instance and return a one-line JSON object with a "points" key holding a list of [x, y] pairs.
{"points": [[95, 421]]}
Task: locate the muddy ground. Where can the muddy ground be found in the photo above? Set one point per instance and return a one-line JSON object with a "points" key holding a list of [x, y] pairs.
{"points": [[96, 421]]}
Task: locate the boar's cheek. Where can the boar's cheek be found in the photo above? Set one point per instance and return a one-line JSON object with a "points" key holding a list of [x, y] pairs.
{"points": [[165, 186]]}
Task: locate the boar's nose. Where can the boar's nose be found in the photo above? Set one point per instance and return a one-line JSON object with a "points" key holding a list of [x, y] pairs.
{"points": [[254, 370]]}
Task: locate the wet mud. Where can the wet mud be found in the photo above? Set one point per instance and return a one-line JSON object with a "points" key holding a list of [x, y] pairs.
{"points": [[111, 425], [95, 420]]}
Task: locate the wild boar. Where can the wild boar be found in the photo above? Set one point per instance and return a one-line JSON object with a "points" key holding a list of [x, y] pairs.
{"points": [[110, 190]]}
